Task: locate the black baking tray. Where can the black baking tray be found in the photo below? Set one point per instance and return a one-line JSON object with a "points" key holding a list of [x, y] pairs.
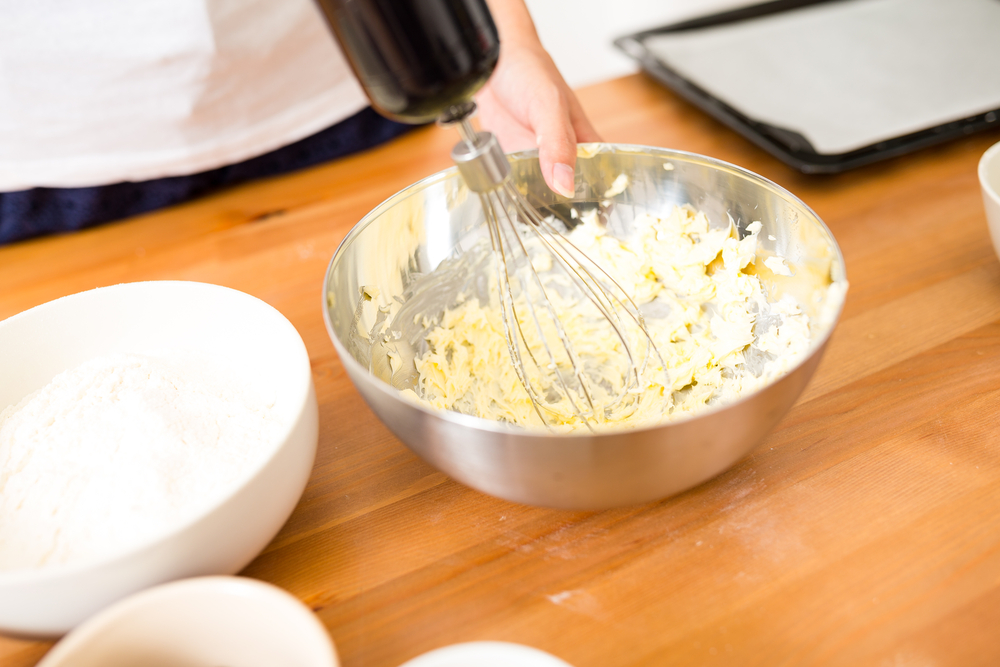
{"points": [[787, 145]]}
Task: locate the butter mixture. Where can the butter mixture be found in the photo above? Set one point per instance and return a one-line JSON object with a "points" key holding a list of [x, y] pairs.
{"points": [[715, 334]]}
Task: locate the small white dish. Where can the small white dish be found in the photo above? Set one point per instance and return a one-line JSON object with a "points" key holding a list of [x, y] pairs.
{"points": [[202, 622], [485, 654], [221, 323], [989, 182]]}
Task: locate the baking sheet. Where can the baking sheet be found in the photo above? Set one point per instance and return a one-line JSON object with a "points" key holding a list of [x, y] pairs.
{"points": [[839, 77]]}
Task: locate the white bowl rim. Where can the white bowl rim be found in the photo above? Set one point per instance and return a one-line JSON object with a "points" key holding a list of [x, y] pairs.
{"points": [[486, 652], [992, 154], [25, 576], [470, 421], [99, 622]]}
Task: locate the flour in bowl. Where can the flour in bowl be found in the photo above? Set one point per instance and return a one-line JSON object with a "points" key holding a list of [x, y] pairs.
{"points": [[120, 450]]}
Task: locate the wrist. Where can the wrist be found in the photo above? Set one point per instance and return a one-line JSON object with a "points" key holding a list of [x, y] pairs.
{"points": [[514, 23]]}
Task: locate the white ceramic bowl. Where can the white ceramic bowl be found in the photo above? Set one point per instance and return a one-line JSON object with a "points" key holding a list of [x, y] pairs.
{"points": [[485, 654], [989, 181], [202, 622], [150, 317]]}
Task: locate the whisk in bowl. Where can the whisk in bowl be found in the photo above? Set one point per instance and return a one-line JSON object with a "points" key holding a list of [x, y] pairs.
{"points": [[577, 339], [420, 60]]}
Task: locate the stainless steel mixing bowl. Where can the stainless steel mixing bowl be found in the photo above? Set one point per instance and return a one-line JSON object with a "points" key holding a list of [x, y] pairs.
{"points": [[377, 287]]}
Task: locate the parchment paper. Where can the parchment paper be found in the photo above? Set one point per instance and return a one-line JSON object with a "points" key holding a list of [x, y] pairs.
{"points": [[849, 74]]}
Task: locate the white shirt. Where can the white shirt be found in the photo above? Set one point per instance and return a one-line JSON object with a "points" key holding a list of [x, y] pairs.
{"points": [[101, 91]]}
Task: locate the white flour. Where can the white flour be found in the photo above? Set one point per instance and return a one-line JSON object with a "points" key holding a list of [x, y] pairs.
{"points": [[120, 450]]}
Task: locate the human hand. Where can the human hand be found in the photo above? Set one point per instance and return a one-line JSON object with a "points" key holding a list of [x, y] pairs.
{"points": [[528, 104]]}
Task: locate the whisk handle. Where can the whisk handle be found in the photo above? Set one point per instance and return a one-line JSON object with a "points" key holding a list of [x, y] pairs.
{"points": [[416, 59]]}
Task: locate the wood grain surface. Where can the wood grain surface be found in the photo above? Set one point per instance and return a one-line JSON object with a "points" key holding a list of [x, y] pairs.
{"points": [[864, 530]]}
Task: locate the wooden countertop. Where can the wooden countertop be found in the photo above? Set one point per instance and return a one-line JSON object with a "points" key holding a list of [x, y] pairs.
{"points": [[865, 530]]}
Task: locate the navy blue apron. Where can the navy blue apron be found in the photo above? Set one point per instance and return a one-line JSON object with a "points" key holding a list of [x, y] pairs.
{"points": [[37, 211]]}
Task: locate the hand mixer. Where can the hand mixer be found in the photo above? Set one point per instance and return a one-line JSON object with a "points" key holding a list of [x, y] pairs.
{"points": [[423, 60]]}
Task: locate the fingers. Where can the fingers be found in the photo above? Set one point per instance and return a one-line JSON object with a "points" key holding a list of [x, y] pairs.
{"points": [[585, 132], [556, 140], [548, 124], [512, 134], [527, 103]]}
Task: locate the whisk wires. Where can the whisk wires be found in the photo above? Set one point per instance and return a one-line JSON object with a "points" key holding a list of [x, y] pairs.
{"points": [[568, 377], [555, 374]]}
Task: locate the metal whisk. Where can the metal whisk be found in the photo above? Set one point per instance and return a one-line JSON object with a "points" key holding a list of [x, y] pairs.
{"points": [[563, 381]]}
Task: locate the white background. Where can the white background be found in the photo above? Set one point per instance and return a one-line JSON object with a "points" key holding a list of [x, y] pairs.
{"points": [[579, 33]]}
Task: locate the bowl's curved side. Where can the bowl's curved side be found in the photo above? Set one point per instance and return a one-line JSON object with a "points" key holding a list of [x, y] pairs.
{"points": [[585, 472], [577, 471], [989, 182], [50, 601], [223, 541], [205, 621]]}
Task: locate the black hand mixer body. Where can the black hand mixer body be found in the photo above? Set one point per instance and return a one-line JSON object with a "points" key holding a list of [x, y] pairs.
{"points": [[416, 59]]}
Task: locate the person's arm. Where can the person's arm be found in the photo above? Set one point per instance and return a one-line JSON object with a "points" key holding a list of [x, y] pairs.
{"points": [[527, 103]]}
